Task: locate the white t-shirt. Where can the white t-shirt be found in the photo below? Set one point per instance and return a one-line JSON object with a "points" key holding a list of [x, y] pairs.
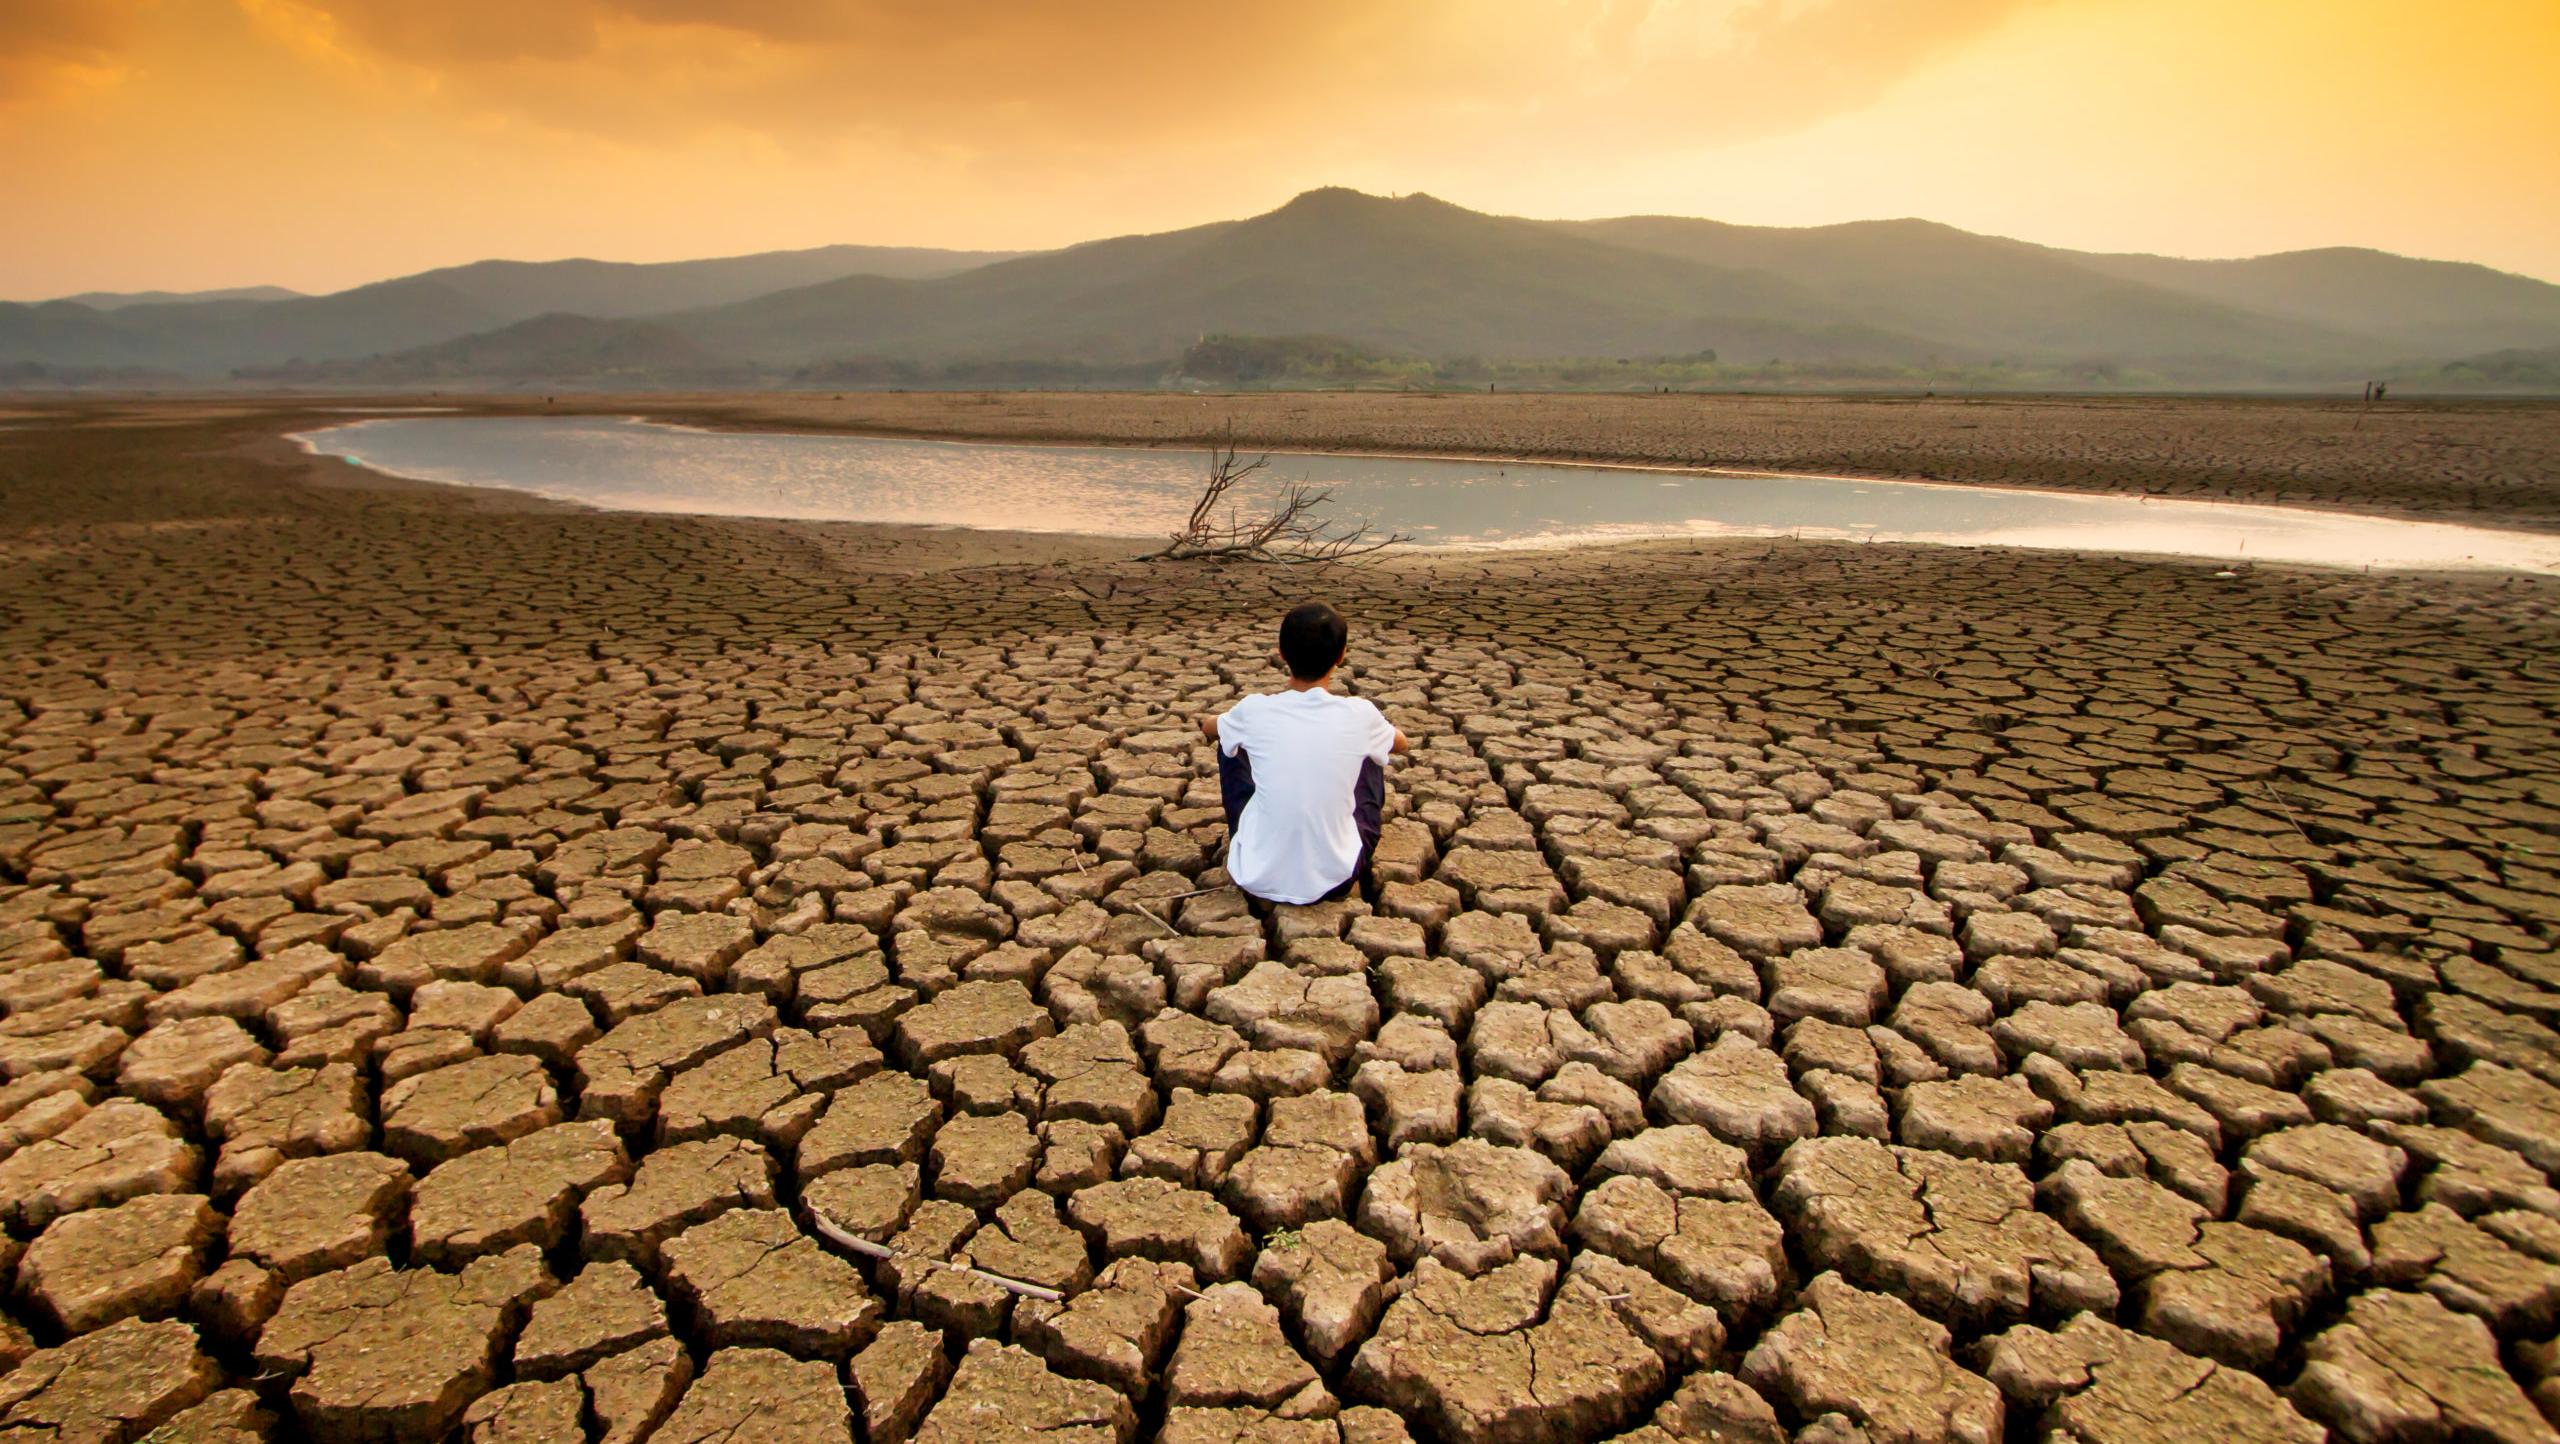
{"points": [[1297, 839]]}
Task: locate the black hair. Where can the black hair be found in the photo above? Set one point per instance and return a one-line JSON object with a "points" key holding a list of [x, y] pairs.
{"points": [[1312, 638]]}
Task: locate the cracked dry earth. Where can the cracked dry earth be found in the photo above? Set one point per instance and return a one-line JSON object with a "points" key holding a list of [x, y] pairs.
{"points": [[466, 965]]}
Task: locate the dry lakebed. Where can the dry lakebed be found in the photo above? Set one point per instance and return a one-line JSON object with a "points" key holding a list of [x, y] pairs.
{"points": [[474, 966]]}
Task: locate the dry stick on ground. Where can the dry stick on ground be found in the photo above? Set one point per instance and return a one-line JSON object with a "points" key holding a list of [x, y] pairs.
{"points": [[1133, 902], [1292, 532], [867, 1248], [2278, 799]]}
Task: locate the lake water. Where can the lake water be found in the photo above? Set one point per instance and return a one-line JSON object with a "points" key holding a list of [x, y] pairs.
{"points": [[633, 465]]}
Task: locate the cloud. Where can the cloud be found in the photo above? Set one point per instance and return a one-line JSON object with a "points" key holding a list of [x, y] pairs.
{"points": [[1795, 64], [1020, 76], [768, 64], [48, 47]]}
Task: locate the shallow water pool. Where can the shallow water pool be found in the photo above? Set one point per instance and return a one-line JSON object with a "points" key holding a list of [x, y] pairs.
{"points": [[635, 465]]}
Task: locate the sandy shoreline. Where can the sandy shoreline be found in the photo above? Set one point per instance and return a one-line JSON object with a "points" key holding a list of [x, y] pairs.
{"points": [[642, 888]]}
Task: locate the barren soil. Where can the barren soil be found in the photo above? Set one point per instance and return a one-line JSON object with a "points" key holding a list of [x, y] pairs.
{"points": [[477, 968]]}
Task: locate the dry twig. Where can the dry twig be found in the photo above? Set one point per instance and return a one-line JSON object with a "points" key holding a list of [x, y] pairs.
{"points": [[869, 1249], [2278, 799], [1293, 530], [1133, 902]]}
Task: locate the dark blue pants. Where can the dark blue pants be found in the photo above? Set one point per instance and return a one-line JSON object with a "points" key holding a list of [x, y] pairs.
{"points": [[1368, 800]]}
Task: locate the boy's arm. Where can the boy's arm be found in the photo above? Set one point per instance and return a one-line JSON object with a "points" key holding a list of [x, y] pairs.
{"points": [[1396, 740], [1209, 726]]}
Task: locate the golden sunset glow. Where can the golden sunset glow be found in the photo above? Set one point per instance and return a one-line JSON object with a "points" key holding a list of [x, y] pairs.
{"points": [[321, 143]]}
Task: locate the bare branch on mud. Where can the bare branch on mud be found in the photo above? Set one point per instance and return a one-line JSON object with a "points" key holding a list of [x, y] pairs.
{"points": [[1291, 531]]}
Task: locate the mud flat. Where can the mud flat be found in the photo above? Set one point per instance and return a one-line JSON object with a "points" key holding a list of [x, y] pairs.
{"points": [[468, 965]]}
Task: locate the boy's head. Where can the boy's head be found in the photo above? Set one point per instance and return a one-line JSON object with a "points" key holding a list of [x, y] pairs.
{"points": [[1312, 638]]}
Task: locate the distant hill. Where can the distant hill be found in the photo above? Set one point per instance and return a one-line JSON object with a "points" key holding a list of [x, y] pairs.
{"points": [[1395, 289], [212, 337], [2039, 298], [2422, 307], [1995, 299], [614, 288], [555, 345], [117, 300]]}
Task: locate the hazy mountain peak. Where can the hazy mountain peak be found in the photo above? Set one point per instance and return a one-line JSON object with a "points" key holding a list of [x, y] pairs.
{"points": [[1334, 202]]}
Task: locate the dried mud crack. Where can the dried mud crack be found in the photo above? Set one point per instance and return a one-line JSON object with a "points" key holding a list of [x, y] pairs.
{"points": [[466, 964]]}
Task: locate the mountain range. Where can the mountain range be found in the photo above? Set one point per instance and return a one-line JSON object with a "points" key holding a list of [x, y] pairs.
{"points": [[1408, 276], [219, 334]]}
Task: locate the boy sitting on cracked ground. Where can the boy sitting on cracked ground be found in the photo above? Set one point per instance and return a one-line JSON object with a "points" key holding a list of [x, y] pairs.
{"points": [[1303, 773]]}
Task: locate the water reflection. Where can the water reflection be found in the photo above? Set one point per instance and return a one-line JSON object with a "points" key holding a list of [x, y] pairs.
{"points": [[1117, 491]]}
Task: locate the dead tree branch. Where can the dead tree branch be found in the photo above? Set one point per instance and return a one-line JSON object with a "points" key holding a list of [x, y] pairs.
{"points": [[1292, 530]]}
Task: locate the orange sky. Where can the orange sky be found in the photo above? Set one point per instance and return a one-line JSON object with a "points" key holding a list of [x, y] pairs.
{"points": [[322, 143]]}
